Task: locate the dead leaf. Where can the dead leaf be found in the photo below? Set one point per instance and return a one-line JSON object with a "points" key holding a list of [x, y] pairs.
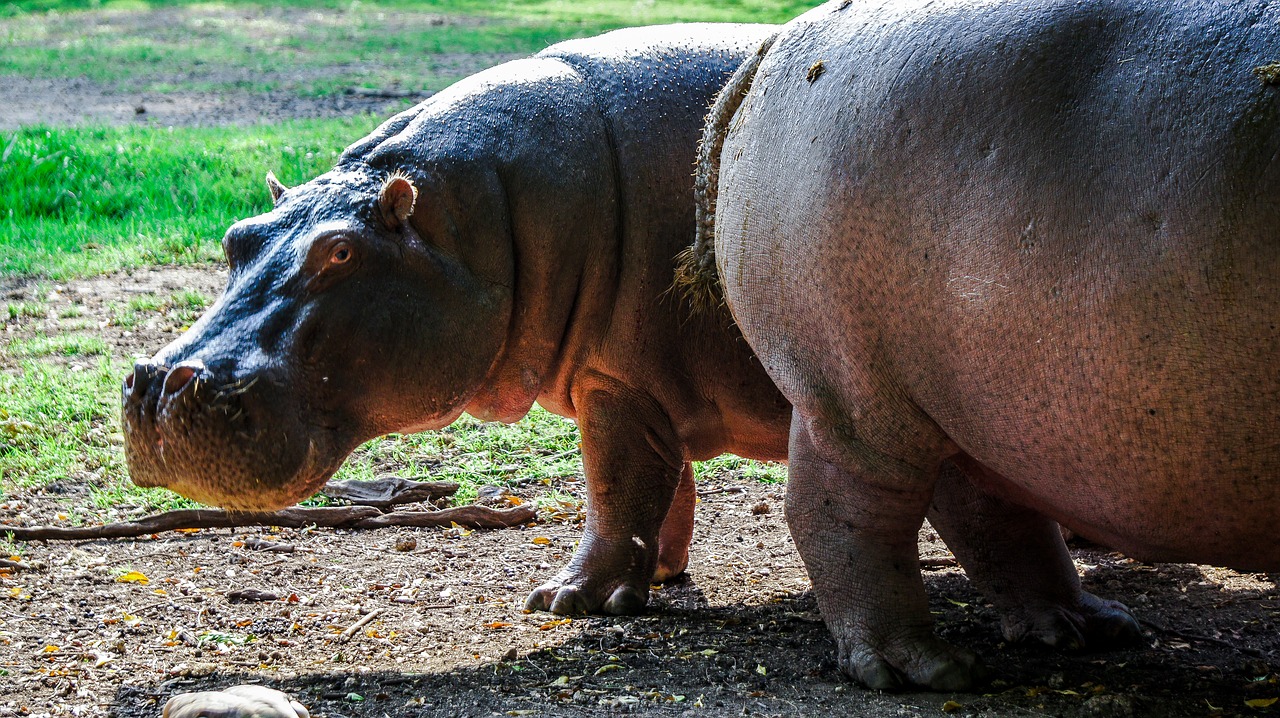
{"points": [[555, 624], [133, 577], [1261, 702], [951, 707], [540, 541]]}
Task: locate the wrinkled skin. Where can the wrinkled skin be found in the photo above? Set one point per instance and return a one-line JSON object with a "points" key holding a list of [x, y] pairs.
{"points": [[1041, 240], [523, 254]]}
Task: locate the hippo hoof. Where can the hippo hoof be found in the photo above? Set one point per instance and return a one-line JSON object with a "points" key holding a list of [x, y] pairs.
{"points": [[247, 701], [940, 667], [568, 599], [1092, 625]]}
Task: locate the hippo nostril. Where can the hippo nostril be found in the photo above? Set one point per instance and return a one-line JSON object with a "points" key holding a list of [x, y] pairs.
{"points": [[179, 377], [144, 372]]}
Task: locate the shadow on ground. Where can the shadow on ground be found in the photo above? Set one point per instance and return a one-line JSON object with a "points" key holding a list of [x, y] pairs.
{"points": [[1211, 650]]}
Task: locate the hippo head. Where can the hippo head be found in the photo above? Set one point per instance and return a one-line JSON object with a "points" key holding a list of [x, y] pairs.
{"points": [[345, 317]]}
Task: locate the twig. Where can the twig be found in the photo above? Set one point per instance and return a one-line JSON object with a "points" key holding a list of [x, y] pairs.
{"points": [[388, 491], [723, 490], [1199, 638], [476, 516], [937, 561], [19, 565], [379, 92], [352, 517], [355, 627], [198, 519]]}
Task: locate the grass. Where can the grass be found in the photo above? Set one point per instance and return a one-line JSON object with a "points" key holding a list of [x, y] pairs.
{"points": [[317, 47], [77, 201]]}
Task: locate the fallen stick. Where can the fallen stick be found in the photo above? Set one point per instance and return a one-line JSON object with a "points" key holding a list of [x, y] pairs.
{"points": [[472, 516], [388, 491], [364, 620], [19, 565], [355, 517]]}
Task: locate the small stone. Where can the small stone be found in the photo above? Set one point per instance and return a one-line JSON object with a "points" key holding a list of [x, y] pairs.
{"points": [[511, 654], [406, 545]]}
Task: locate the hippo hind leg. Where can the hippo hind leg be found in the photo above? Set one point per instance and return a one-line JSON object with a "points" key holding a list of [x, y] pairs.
{"points": [[677, 530], [1016, 557], [854, 511]]}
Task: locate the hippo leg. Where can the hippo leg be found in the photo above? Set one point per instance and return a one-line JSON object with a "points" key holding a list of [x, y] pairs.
{"points": [[632, 475], [677, 529], [1017, 558], [855, 525]]}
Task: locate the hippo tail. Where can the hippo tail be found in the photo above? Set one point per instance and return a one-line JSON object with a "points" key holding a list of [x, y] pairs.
{"points": [[696, 275]]}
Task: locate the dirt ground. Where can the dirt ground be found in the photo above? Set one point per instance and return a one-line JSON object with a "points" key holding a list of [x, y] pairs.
{"points": [[85, 635], [158, 99]]}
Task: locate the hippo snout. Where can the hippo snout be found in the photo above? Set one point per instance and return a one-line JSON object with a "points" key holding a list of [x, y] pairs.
{"points": [[220, 438]]}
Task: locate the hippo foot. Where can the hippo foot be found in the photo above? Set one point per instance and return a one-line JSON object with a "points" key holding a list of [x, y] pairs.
{"points": [[1095, 623], [604, 576], [926, 662], [247, 701], [570, 596]]}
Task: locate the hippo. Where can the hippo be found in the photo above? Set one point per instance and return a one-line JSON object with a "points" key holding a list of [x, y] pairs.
{"points": [[1040, 240], [509, 240]]}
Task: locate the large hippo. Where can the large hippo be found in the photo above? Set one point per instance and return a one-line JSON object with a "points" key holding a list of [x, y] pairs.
{"points": [[1038, 238], [510, 240]]}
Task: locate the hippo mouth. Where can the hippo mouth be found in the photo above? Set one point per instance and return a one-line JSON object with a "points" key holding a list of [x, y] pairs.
{"points": [[237, 444]]}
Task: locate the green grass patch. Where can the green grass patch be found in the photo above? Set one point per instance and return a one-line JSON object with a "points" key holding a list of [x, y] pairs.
{"points": [[317, 47], [541, 447], [67, 345], [20, 310], [79, 201], [55, 423]]}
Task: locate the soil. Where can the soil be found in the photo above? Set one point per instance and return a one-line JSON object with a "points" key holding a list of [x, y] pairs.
{"points": [[61, 102], [163, 98], [739, 634]]}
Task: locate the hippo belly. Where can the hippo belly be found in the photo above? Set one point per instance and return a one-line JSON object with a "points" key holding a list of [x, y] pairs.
{"points": [[1024, 237]]}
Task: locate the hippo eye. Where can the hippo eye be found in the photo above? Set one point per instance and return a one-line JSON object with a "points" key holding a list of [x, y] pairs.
{"points": [[340, 254]]}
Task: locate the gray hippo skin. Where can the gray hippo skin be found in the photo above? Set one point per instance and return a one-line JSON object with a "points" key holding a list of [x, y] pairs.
{"points": [[510, 240], [1040, 239]]}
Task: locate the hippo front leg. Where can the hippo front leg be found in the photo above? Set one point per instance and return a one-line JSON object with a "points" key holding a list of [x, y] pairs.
{"points": [[634, 472], [855, 524], [1016, 557]]}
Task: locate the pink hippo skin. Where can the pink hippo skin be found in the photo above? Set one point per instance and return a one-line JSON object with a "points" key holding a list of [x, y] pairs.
{"points": [[1040, 239], [509, 240]]}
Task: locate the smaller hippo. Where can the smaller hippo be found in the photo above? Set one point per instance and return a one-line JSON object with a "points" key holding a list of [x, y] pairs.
{"points": [[510, 240]]}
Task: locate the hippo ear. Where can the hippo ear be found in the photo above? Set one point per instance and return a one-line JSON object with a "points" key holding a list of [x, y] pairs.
{"points": [[275, 186], [396, 202]]}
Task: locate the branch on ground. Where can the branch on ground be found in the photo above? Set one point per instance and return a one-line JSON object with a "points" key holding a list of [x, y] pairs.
{"points": [[352, 517], [388, 491]]}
